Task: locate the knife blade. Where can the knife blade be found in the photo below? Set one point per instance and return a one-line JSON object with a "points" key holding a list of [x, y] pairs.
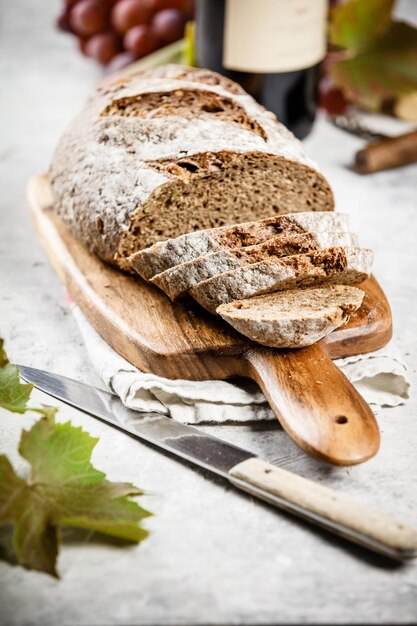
{"points": [[336, 512]]}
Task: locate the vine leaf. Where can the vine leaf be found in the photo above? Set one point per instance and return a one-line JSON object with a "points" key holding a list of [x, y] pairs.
{"points": [[14, 395], [63, 488], [379, 61], [355, 25]]}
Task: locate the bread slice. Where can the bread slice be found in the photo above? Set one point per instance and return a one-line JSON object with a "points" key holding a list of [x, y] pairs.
{"points": [[165, 254], [293, 319], [176, 281], [336, 265]]}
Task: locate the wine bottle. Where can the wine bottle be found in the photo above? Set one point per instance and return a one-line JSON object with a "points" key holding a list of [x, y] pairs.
{"points": [[273, 48]]}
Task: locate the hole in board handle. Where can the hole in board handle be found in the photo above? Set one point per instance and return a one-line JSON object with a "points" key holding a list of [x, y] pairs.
{"points": [[341, 419]]}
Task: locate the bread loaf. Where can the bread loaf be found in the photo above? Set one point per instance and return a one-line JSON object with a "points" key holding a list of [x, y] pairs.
{"points": [[293, 319], [166, 254], [171, 151], [176, 281], [332, 266]]}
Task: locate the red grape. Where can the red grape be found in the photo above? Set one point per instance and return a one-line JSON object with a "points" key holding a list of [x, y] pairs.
{"points": [[187, 7], [333, 101], [129, 13], [88, 17], [168, 25], [122, 31], [103, 47], [82, 44], [140, 40], [63, 21], [159, 5], [120, 61]]}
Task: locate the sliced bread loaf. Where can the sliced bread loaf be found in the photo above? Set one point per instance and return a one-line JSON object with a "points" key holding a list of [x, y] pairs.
{"points": [[166, 254], [293, 319], [174, 150], [336, 265], [176, 281]]}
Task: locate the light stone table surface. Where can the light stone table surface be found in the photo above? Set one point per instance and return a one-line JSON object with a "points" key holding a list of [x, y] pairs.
{"points": [[214, 556]]}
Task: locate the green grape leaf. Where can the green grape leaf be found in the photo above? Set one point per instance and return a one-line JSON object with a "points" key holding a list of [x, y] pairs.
{"points": [[3, 356], [63, 488], [384, 71], [14, 395], [45, 410], [357, 24]]}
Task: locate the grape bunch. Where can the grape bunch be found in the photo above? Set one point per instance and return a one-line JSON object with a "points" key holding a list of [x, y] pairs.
{"points": [[117, 32]]}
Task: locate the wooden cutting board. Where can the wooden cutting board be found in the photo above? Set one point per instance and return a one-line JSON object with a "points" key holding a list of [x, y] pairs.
{"points": [[314, 402]]}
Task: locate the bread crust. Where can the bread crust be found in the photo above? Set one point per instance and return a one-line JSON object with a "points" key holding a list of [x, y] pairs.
{"points": [[110, 173], [178, 280], [190, 246], [293, 319], [332, 266]]}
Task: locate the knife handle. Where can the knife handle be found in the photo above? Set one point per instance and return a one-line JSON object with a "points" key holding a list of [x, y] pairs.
{"points": [[324, 507]]}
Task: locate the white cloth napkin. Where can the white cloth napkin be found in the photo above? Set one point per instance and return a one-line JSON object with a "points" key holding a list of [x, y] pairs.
{"points": [[380, 377]]}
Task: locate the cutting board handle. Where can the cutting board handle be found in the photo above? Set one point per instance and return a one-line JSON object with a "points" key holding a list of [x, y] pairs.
{"points": [[316, 404]]}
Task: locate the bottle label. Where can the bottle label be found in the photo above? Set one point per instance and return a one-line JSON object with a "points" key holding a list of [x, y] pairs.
{"points": [[268, 36]]}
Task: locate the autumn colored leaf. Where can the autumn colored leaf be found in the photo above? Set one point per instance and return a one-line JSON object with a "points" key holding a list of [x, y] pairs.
{"points": [[378, 60], [356, 24], [63, 488], [382, 72]]}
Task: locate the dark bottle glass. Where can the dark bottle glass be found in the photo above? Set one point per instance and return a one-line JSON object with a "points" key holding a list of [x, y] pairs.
{"points": [[291, 95]]}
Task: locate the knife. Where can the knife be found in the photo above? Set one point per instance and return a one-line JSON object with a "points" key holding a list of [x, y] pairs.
{"points": [[311, 501]]}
